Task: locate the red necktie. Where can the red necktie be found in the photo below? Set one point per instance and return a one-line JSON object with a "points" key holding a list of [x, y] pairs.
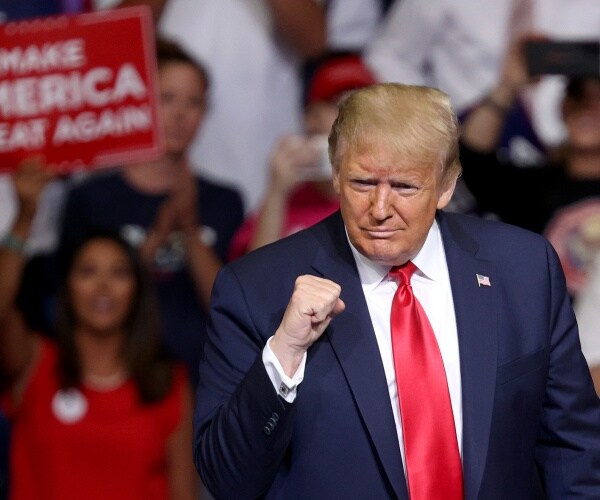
{"points": [[433, 463]]}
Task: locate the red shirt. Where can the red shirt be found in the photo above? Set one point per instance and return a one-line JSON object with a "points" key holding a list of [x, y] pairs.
{"points": [[90, 444], [306, 206]]}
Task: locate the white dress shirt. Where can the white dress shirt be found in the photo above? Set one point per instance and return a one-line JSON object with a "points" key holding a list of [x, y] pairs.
{"points": [[431, 286]]}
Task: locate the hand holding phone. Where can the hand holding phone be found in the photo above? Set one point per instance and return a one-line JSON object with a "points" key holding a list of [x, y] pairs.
{"points": [[321, 169]]}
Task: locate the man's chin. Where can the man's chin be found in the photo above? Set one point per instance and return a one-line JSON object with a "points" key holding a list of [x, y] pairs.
{"points": [[383, 252]]}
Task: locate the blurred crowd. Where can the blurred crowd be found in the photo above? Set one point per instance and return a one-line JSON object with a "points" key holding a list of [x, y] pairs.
{"points": [[106, 276]]}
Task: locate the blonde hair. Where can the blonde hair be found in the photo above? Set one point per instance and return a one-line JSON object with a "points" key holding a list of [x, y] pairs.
{"points": [[417, 121]]}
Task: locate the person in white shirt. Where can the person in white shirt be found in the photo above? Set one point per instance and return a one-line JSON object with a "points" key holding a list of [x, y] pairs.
{"points": [[254, 52]]}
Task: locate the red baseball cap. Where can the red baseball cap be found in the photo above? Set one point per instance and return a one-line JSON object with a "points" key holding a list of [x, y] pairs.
{"points": [[337, 75]]}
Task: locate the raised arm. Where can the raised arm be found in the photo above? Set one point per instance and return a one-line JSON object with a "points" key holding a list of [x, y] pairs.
{"points": [[484, 123], [292, 155], [236, 397], [16, 344], [302, 24]]}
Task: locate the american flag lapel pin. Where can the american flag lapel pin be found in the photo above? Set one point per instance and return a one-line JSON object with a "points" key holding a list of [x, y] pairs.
{"points": [[483, 280]]}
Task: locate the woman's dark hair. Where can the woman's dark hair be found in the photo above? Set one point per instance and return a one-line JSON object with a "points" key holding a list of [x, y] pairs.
{"points": [[142, 351]]}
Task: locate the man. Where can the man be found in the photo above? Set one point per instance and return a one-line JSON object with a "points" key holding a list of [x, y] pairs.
{"points": [[297, 394]]}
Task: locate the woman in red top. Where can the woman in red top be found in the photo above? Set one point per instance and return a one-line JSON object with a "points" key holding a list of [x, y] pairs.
{"points": [[99, 413]]}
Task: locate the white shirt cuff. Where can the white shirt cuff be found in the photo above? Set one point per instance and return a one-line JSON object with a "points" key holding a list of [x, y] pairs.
{"points": [[285, 386]]}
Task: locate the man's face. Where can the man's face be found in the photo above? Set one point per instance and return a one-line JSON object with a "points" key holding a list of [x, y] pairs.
{"points": [[182, 102], [388, 205]]}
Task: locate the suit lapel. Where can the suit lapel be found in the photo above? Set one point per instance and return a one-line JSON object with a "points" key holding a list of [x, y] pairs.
{"points": [[352, 338], [475, 307]]}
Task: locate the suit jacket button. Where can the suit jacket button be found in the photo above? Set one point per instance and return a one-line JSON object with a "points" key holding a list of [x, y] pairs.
{"points": [[267, 430], [275, 417]]}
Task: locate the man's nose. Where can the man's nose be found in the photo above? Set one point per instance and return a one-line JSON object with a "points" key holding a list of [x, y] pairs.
{"points": [[380, 202]]}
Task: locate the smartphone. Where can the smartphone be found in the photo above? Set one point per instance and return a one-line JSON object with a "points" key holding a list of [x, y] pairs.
{"points": [[569, 58], [321, 170]]}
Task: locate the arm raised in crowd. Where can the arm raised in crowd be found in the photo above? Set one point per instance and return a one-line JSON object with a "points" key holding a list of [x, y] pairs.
{"points": [[483, 125], [302, 24], [288, 162], [17, 347]]}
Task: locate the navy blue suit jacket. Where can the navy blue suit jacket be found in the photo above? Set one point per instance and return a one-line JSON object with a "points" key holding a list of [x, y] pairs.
{"points": [[531, 418]]}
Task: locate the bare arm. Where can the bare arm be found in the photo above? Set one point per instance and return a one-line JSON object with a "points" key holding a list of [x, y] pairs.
{"points": [[17, 346], [483, 126], [290, 158], [302, 24], [183, 480]]}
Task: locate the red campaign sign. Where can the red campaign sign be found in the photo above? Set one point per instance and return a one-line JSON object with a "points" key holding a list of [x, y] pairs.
{"points": [[80, 90]]}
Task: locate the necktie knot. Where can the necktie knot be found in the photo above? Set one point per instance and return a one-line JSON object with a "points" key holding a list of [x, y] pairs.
{"points": [[403, 273]]}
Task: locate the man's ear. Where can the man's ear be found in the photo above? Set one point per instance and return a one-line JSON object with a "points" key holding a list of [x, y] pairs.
{"points": [[335, 178], [446, 195]]}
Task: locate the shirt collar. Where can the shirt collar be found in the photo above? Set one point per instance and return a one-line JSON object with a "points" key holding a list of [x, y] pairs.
{"points": [[427, 261]]}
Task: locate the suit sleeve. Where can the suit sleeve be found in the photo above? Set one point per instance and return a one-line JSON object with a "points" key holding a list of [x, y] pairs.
{"points": [[242, 427], [568, 451]]}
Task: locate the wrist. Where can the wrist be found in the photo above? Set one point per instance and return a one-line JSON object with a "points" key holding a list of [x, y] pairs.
{"points": [[13, 243], [276, 199], [504, 95], [191, 231], [289, 357], [500, 106]]}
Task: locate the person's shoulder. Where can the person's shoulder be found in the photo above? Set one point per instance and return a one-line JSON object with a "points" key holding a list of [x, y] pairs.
{"points": [[488, 229], [491, 235], [291, 252]]}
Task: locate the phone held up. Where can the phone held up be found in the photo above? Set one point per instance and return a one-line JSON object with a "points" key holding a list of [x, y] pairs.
{"points": [[563, 57], [321, 170]]}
